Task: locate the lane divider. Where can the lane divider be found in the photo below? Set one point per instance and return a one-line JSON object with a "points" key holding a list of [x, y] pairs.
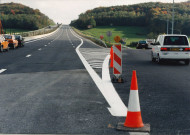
{"points": [[117, 107], [39, 49], [2, 70], [29, 55]]}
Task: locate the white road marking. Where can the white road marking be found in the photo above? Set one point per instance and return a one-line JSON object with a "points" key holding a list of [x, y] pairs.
{"points": [[117, 107], [48, 35], [29, 55], [48, 43], [45, 45], [40, 49], [2, 70]]}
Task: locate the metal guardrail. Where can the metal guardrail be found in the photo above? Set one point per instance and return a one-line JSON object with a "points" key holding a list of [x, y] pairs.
{"points": [[93, 39], [45, 30]]}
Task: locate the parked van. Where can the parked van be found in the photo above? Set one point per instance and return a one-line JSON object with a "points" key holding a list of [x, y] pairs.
{"points": [[4, 45], [171, 47]]}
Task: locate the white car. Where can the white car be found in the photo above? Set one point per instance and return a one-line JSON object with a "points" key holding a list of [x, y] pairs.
{"points": [[171, 47]]}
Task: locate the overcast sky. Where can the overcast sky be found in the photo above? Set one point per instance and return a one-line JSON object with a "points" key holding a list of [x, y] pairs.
{"points": [[63, 11]]}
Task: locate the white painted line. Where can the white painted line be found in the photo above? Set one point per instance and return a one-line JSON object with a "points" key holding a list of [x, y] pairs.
{"points": [[2, 70], [29, 55], [117, 107], [45, 36], [48, 43], [40, 49], [45, 45]]}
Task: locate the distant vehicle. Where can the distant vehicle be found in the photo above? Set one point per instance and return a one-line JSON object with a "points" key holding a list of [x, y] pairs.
{"points": [[4, 45], [171, 47], [20, 40], [142, 44], [13, 43], [149, 42]]}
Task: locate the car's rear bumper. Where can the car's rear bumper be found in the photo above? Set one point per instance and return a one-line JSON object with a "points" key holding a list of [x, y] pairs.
{"points": [[175, 55]]}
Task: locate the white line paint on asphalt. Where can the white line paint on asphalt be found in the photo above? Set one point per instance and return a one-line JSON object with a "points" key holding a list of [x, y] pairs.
{"points": [[117, 107], [29, 55], [45, 36], [45, 45], [2, 70], [39, 49]]}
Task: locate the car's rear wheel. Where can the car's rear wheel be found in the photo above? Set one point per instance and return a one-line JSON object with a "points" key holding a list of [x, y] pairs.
{"points": [[158, 60], [1, 48], [7, 49], [186, 62], [14, 46], [153, 59]]}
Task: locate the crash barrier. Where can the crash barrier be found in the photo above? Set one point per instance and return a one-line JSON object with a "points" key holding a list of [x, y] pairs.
{"points": [[93, 39], [133, 120], [117, 63], [45, 30]]}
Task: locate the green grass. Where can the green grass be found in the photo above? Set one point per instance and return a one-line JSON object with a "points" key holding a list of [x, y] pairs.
{"points": [[15, 30], [131, 34]]}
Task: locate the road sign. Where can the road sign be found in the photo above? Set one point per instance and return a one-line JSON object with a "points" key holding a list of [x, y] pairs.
{"points": [[109, 33], [101, 37], [117, 39]]}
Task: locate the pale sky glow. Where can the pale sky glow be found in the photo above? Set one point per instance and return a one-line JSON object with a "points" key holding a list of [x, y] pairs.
{"points": [[63, 11]]}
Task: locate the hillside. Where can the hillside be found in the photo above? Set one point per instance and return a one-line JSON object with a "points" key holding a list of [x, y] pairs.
{"points": [[14, 15], [152, 15]]}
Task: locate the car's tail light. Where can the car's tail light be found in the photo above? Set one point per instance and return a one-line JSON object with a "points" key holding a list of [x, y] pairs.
{"points": [[164, 49], [10, 41], [186, 49]]}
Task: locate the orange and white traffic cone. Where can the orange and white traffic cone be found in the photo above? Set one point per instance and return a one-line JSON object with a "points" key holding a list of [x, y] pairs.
{"points": [[133, 120], [111, 57]]}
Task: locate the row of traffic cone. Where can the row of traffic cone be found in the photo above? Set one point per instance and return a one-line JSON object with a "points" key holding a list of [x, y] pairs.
{"points": [[133, 120]]}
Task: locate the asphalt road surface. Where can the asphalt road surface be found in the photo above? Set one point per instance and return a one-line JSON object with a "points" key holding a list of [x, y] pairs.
{"points": [[164, 91], [46, 89]]}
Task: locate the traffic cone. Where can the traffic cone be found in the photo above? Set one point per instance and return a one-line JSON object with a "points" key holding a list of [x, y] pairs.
{"points": [[111, 57], [134, 119]]}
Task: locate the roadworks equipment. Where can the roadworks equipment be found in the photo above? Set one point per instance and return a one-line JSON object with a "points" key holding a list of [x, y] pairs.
{"points": [[133, 120], [111, 57]]}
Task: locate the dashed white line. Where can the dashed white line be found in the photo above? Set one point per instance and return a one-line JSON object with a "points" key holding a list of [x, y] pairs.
{"points": [[29, 55], [2, 70], [45, 45], [40, 49]]}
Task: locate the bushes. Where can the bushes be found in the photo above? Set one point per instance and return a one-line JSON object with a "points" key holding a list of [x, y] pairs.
{"points": [[133, 44]]}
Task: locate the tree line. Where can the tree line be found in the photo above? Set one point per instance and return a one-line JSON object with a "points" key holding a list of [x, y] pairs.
{"points": [[153, 15], [14, 15]]}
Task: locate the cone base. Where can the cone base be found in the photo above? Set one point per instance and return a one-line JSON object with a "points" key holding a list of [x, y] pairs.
{"points": [[146, 128]]}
